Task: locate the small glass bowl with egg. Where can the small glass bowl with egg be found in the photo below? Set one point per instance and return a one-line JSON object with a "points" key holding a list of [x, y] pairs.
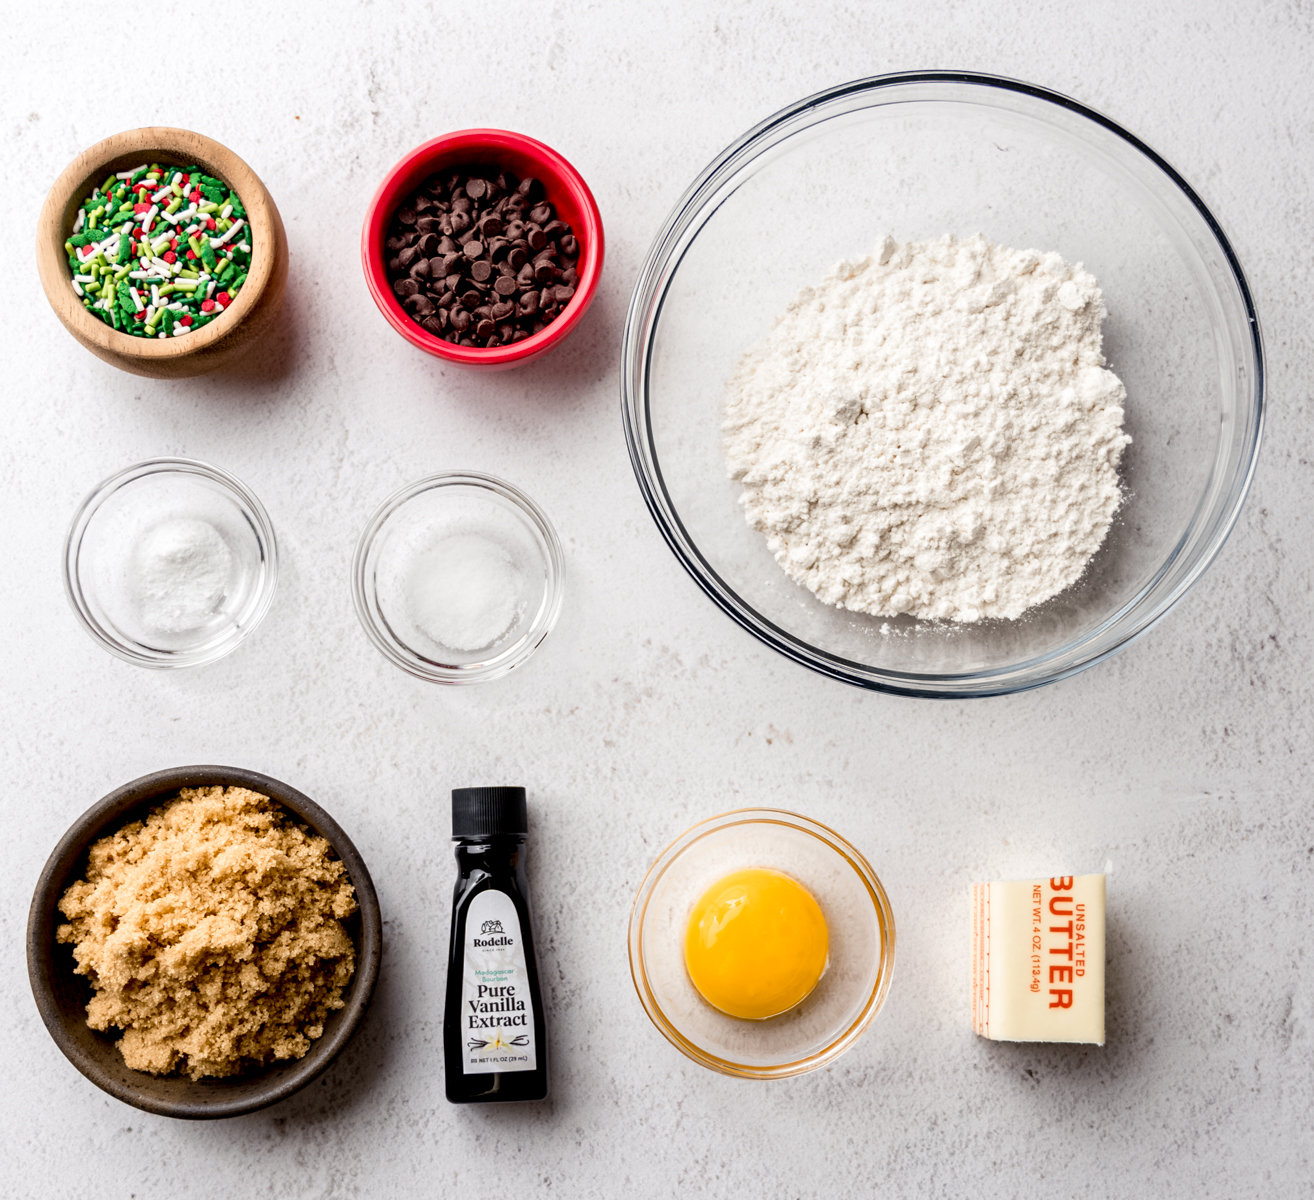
{"points": [[458, 578], [170, 563], [761, 944]]}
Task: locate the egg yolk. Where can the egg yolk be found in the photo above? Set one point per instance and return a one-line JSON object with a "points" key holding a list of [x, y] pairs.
{"points": [[756, 944]]}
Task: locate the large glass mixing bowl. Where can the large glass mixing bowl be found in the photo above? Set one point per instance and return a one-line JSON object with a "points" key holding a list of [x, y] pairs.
{"points": [[918, 156]]}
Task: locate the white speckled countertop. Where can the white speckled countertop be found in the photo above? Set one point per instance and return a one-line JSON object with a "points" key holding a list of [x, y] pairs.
{"points": [[1185, 760]]}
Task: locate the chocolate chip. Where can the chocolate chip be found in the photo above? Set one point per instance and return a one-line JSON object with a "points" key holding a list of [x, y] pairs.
{"points": [[489, 250], [406, 216]]}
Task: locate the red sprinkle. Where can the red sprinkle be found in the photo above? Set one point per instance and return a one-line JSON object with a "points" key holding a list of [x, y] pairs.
{"points": [[141, 208], [169, 256], [191, 253], [138, 316], [185, 321], [207, 306], [224, 299], [173, 243], [209, 222], [196, 195]]}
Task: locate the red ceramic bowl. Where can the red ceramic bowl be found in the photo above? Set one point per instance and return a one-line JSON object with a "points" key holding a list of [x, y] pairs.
{"points": [[567, 192]]}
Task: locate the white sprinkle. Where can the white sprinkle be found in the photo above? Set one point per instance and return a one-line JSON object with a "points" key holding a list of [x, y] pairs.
{"points": [[219, 241], [150, 313], [225, 212], [84, 279], [209, 291], [246, 246], [162, 334], [177, 178], [130, 174], [166, 190], [80, 221], [155, 296], [150, 216], [136, 299], [77, 287]]}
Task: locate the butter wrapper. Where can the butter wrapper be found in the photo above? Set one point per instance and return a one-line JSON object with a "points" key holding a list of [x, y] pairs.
{"points": [[1038, 959]]}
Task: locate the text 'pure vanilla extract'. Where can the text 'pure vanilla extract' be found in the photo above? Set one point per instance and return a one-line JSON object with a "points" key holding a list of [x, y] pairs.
{"points": [[494, 1035]]}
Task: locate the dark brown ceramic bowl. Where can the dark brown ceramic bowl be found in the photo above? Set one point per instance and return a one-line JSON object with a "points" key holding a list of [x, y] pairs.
{"points": [[62, 996]]}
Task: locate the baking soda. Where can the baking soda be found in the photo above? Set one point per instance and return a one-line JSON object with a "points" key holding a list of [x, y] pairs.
{"points": [[182, 566]]}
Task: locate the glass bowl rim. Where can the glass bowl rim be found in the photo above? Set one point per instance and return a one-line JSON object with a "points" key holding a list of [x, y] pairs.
{"points": [[835, 842], [1210, 524], [554, 563], [91, 504]]}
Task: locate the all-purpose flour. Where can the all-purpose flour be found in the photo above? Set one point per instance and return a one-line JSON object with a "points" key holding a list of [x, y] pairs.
{"points": [[932, 431]]}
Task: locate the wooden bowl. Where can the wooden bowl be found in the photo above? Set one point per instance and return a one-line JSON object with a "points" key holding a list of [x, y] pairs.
{"points": [[62, 996], [223, 341]]}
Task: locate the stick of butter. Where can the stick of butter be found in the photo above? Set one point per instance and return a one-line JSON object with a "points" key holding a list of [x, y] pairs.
{"points": [[1038, 959]]}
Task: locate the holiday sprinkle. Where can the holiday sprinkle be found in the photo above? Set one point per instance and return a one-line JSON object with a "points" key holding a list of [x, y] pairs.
{"points": [[159, 251]]}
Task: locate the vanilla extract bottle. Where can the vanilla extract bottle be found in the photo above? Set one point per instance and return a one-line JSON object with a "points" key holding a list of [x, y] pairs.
{"points": [[494, 1034]]}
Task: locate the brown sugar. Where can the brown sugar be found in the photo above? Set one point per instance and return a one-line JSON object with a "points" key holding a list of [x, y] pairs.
{"points": [[212, 934]]}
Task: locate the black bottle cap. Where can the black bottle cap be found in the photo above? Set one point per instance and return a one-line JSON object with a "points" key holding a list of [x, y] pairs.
{"points": [[483, 811]]}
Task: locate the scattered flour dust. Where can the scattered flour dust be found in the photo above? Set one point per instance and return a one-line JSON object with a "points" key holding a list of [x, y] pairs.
{"points": [[932, 431]]}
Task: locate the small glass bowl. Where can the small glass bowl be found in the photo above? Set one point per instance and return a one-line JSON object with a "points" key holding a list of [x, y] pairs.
{"points": [[102, 567], [419, 518], [858, 916]]}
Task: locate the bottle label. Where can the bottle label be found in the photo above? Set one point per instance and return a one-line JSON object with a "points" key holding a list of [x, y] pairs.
{"points": [[497, 1012]]}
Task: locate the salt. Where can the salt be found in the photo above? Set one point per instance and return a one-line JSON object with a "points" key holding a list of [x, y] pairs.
{"points": [[182, 569], [465, 591]]}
